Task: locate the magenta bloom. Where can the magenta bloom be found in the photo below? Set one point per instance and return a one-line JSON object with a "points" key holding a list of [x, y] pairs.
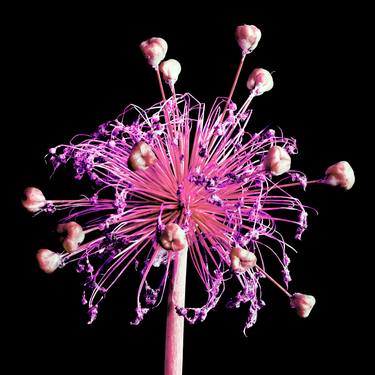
{"points": [[173, 163]]}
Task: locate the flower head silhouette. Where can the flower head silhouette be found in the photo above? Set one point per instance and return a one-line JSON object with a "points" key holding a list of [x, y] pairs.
{"points": [[175, 181]]}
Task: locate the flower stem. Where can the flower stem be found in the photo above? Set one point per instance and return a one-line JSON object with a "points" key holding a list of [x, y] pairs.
{"points": [[270, 278], [174, 340]]}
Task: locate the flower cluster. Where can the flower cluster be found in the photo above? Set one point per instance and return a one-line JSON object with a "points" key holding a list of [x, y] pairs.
{"points": [[173, 177]]}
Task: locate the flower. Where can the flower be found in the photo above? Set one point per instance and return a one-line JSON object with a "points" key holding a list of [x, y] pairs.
{"points": [[173, 179]]}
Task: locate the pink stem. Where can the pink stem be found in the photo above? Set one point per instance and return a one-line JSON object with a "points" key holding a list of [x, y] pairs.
{"points": [[174, 340], [270, 278], [233, 87]]}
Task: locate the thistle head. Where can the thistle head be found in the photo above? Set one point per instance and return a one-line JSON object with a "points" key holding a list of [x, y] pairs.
{"points": [[303, 303], [170, 69], [340, 174], [48, 260], [73, 235], [154, 50], [241, 259], [172, 237], [260, 81], [277, 161], [247, 37], [141, 157], [34, 199]]}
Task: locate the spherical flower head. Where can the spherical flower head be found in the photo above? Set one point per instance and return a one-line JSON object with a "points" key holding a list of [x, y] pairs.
{"points": [[241, 259], [248, 37], [141, 157], [277, 161], [34, 199], [340, 174], [260, 81], [173, 238], [170, 69], [154, 50], [303, 303], [73, 235], [48, 260]]}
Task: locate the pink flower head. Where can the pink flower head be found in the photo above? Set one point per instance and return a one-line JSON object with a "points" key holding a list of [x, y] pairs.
{"points": [[303, 303], [154, 50], [340, 174], [241, 259], [247, 37], [141, 157], [34, 199], [173, 238], [277, 161], [260, 81], [73, 235], [170, 69], [48, 260]]}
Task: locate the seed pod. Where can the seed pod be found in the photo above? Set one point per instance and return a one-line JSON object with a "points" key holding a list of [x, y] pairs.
{"points": [[173, 238], [241, 259], [73, 235], [34, 199], [48, 260], [154, 50], [141, 157], [248, 37], [303, 303], [277, 161], [340, 174], [260, 81]]}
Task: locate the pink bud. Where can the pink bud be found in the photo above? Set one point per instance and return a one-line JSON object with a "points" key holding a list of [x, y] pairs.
{"points": [[73, 235], [241, 259], [141, 157], [170, 69], [173, 237], [260, 81], [48, 260], [277, 161], [303, 304], [248, 37], [34, 199], [154, 50], [340, 174]]}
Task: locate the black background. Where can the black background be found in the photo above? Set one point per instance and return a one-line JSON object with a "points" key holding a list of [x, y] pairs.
{"points": [[71, 69]]}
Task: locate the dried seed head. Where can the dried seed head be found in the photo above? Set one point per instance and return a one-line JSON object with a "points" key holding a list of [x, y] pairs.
{"points": [[170, 69], [141, 157], [260, 81], [173, 237], [340, 174], [303, 303], [73, 235], [241, 259], [34, 199], [248, 37], [48, 260], [277, 161], [154, 50]]}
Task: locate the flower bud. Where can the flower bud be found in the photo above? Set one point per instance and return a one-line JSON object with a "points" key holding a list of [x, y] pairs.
{"points": [[154, 50], [248, 37], [241, 259], [48, 260], [73, 235], [277, 161], [173, 237], [260, 81], [340, 174]]}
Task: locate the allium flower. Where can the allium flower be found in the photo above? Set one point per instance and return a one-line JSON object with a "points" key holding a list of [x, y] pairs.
{"points": [[175, 180]]}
